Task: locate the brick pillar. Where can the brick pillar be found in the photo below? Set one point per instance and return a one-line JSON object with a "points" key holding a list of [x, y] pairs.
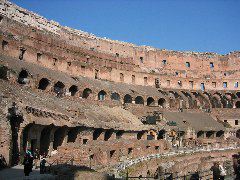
{"points": [[51, 139]]}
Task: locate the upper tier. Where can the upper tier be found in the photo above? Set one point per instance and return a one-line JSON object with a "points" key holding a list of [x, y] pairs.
{"points": [[82, 54]]}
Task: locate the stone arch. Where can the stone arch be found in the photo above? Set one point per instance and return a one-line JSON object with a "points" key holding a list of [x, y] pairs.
{"points": [[237, 104], [43, 83], [45, 140], [73, 90], [86, 93], [23, 77], [127, 98], [203, 100], [238, 94], [162, 102], [102, 95], [140, 135], [209, 134], [59, 136], [191, 101], [220, 134], [119, 134], [139, 100], [108, 134], [150, 101], [59, 88], [115, 96], [226, 102], [23, 144], [175, 100], [216, 102], [238, 133], [72, 134], [200, 134], [161, 134], [97, 133]]}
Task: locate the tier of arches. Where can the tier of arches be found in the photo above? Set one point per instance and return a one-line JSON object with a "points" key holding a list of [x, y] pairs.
{"points": [[166, 99]]}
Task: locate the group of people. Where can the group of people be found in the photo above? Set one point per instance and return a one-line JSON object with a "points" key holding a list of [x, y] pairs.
{"points": [[33, 159], [219, 171]]}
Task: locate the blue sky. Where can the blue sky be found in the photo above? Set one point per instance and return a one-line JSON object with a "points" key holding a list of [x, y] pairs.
{"points": [[185, 25]]}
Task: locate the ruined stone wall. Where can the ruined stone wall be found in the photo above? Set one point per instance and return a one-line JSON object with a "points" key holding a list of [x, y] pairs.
{"points": [[5, 130], [80, 53], [5, 137], [181, 165]]}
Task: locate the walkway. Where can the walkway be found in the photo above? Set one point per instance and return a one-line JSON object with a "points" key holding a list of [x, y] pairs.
{"points": [[16, 173]]}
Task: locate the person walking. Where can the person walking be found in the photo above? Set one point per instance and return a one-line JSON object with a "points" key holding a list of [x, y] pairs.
{"points": [[27, 162], [238, 170], [43, 164], [216, 171], [223, 172]]}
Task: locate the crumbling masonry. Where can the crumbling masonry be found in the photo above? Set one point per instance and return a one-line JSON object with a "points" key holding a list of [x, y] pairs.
{"points": [[100, 102]]}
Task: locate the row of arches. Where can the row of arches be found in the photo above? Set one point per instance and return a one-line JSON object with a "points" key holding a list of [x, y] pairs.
{"points": [[181, 99]]}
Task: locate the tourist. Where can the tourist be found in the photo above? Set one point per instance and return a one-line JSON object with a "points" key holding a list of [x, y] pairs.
{"points": [[223, 172], [216, 171], [43, 163], [238, 170], [28, 163]]}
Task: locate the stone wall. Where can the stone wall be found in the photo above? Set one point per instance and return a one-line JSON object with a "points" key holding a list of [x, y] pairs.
{"points": [[79, 53]]}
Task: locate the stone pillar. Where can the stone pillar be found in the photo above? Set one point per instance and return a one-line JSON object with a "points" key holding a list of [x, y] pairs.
{"points": [[66, 130], [51, 139], [204, 134]]}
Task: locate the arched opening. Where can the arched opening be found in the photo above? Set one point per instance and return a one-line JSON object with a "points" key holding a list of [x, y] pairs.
{"points": [[43, 84], [215, 102], [127, 98], [72, 135], [97, 133], [226, 101], [102, 95], [162, 102], [200, 134], [119, 134], [220, 134], [108, 134], [140, 135], [210, 134], [238, 133], [45, 140], [139, 100], [237, 104], [73, 90], [59, 136], [86, 93], [161, 134], [115, 96], [191, 101], [23, 77], [59, 88], [150, 101], [238, 94]]}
